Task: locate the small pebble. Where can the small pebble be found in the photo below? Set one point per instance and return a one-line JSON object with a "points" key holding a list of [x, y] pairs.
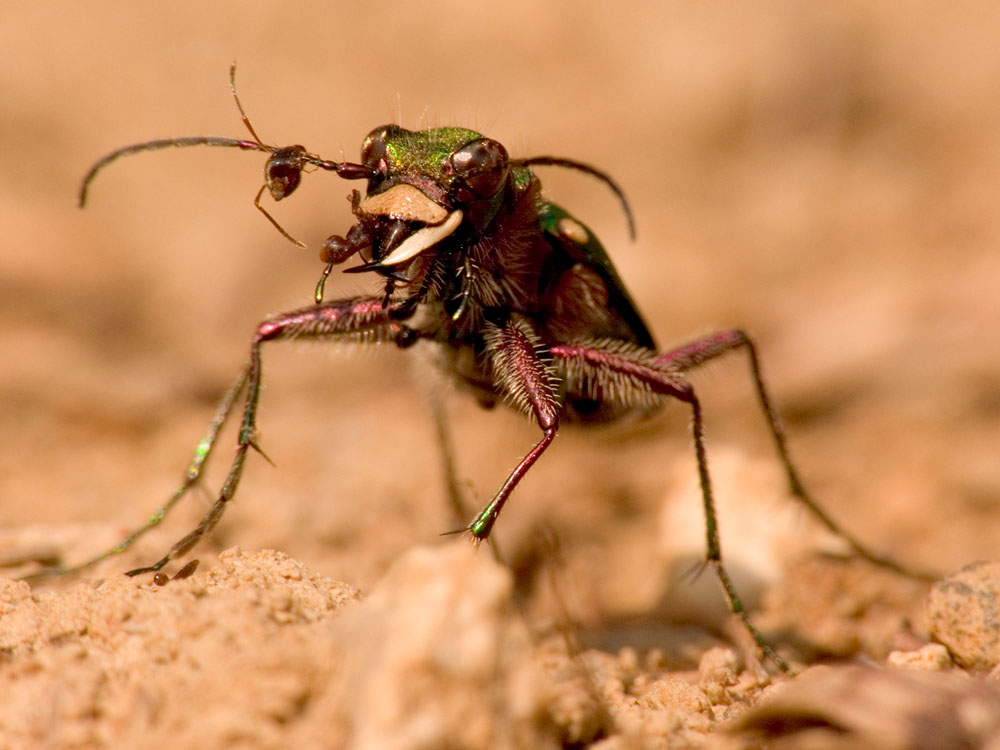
{"points": [[964, 614], [930, 658]]}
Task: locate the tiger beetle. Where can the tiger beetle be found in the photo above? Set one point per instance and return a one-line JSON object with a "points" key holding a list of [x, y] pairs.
{"points": [[519, 298]]}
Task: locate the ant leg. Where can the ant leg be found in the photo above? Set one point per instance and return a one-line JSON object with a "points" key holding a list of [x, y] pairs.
{"points": [[364, 317], [528, 381], [697, 353], [623, 371], [191, 477]]}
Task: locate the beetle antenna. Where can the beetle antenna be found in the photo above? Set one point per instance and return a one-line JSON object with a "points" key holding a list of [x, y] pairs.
{"points": [[553, 161]]}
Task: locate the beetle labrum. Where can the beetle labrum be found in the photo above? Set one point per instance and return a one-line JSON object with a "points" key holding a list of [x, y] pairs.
{"points": [[519, 297]]}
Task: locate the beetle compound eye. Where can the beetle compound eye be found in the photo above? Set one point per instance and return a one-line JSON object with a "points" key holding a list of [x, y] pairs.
{"points": [[482, 166], [374, 150]]}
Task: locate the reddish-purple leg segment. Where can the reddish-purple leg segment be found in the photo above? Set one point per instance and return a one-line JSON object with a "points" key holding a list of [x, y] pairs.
{"points": [[361, 317], [530, 383]]}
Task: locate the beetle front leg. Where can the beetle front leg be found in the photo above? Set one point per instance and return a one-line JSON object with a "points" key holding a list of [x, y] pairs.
{"points": [[483, 525], [363, 317], [191, 477], [529, 381]]}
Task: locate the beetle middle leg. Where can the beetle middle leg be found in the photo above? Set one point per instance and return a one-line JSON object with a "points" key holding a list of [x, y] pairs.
{"points": [[364, 318], [449, 472], [447, 453]]}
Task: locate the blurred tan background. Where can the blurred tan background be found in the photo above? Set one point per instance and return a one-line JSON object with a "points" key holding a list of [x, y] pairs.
{"points": [[826, 175]]}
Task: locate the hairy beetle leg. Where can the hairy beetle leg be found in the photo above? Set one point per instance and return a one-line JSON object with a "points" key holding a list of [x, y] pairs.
{"points": [[530, 380], [664, 377], [362, 317]]}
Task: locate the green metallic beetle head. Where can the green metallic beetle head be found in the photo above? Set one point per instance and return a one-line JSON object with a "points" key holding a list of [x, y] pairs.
{"points": [[437, 180], [452, 165]]}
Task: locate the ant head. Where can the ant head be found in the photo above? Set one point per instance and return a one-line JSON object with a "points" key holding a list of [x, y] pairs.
{"points": [[282, 173]]}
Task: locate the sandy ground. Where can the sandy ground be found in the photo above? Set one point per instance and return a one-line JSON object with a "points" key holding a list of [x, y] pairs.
{"points": [[823, 175]]}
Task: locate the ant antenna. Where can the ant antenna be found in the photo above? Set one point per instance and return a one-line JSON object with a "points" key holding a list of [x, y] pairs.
{"points": [[282, 173], [239, 106], [283, 170]]}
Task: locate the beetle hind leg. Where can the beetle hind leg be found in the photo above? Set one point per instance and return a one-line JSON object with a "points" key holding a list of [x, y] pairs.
{"points": [[635, 370], [702, 350]]}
